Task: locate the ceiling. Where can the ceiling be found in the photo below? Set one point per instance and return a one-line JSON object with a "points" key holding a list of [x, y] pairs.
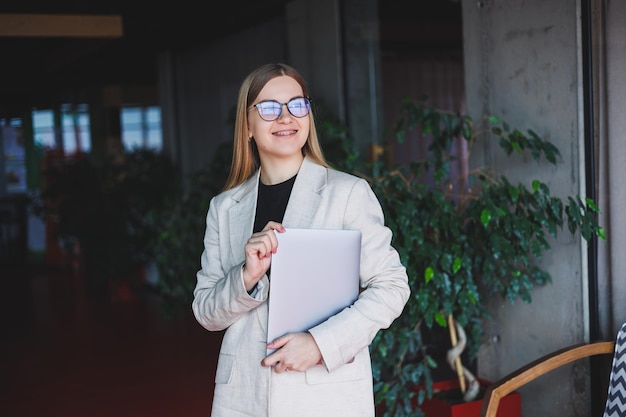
{"points": [[33, 65], [37, 63]]}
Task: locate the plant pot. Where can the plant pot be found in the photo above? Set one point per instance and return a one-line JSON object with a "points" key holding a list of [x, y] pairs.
{"points": [[447, 402]]}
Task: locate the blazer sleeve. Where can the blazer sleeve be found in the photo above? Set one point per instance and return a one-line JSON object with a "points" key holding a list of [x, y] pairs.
{"points": [[220, 297], [383, 279]]}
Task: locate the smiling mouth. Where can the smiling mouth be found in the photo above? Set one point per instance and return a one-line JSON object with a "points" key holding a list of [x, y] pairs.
{"points": [[285, 133]]}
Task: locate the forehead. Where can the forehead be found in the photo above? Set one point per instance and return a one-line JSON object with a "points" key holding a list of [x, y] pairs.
{"points": [[281, 88]]}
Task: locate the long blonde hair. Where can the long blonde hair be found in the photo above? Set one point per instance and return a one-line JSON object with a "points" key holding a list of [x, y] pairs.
{"points": [[246, 159]]}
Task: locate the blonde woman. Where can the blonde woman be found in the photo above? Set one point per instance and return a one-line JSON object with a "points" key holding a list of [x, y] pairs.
{"points": [[279, 178]]}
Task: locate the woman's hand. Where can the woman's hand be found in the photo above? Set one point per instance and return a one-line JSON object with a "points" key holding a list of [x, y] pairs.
{"points": [[294, 352], [259, 250]]}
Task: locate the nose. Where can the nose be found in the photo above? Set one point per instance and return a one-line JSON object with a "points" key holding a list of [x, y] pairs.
{"points": [[284, 112]]}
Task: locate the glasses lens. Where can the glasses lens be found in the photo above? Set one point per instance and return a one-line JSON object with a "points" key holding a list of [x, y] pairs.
{"points": [[299, 106], [269, 110]]}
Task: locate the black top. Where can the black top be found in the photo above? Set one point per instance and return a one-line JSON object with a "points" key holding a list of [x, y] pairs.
{"points": [[272, 202]]}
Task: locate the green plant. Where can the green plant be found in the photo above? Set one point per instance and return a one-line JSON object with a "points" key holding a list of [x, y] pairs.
{"points": [[462, 239], [181, 223], [99, 209]]}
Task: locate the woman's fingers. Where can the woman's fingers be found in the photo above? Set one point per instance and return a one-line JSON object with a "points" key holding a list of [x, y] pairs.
{"points": [[267, 237], [294, 352], [274, 226], [263, 244], [259, 250]]}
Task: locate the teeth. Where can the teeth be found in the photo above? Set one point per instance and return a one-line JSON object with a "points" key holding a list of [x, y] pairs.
{"points": [[284, 133]]}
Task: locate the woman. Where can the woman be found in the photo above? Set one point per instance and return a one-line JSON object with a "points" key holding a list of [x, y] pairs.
{"points": [[279, 179]]}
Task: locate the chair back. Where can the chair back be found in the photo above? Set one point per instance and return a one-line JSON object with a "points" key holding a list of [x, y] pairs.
{"points": [[541, 366]]}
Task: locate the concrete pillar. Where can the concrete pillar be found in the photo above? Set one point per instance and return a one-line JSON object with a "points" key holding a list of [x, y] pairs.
{"points": [[523, 63], [340, 58]]}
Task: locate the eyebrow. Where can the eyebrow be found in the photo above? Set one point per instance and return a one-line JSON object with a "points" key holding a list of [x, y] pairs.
{"points": [[278, 101]]}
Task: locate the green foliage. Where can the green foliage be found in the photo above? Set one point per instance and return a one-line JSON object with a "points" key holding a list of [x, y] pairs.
{"points": [[460, 244], [99, 210], [182, 223]]}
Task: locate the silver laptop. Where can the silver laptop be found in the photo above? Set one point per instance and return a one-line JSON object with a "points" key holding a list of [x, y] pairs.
{"points": [[314, 275]]}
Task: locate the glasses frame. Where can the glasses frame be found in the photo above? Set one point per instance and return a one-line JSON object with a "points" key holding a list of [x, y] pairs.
{"points": [[307, 101]]}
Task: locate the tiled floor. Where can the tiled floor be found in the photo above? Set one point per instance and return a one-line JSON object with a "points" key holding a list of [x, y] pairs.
{"points": [[62, 354]]}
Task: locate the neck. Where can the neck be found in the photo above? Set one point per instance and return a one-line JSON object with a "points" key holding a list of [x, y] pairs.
{"points": [[280, 170]]}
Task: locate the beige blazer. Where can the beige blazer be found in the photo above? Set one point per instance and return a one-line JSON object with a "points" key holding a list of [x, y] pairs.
{"points": [[321, 198]]}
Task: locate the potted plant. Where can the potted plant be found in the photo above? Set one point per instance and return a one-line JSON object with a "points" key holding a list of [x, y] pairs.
{"points": [[462, 238]]}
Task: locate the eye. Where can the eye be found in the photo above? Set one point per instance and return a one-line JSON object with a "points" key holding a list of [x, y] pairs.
{"points": [[299, 106], [269, 107]]}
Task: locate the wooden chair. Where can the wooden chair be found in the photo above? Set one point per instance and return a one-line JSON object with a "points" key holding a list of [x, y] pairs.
{"points": [[615, 406]]}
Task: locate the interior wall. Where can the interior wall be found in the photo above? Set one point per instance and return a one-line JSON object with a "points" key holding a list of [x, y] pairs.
{"points": [[316, 53], [610, 75], [440, 81], [200, 88], [523, 63], [335, 44]]}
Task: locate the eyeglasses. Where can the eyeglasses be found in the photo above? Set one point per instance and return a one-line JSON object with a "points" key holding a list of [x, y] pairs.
{"points": [[270, 110]]}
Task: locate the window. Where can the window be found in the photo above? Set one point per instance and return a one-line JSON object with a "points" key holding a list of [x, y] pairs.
{"points": [[14, 122], [43, 128], [141, 128], [69, 128], [12, 157], [73, 127]]}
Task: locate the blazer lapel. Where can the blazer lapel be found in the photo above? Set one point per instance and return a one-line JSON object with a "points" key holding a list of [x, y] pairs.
{"points": [[241, 215], [241, 222], [303, 203], [306, 195]]}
